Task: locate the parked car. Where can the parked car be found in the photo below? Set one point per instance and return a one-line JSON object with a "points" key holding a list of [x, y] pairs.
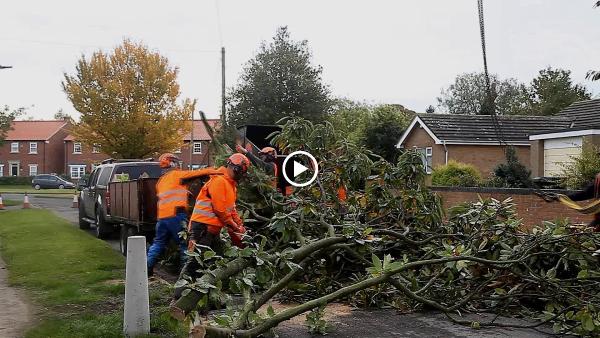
{"points": [[94, 197], [51, 182]]}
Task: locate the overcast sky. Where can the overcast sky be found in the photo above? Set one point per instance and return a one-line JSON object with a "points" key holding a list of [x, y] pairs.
{"points": [[378, 51]]}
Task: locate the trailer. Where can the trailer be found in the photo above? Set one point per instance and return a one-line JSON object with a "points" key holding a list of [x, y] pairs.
{"points": [[133, 207]]}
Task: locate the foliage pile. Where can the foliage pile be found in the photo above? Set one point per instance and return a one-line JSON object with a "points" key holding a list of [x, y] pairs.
{"points": [[583, 168], [387, 245], [455, 174]]}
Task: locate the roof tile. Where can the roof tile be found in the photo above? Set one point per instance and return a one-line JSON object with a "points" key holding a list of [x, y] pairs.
{"points": [[34, 130]]}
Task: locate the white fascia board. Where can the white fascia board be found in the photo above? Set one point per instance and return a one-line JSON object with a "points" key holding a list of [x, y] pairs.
{"points": [[410, 128], [565, 134]]}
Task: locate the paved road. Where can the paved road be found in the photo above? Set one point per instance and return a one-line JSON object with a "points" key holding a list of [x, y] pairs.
{"points": [[62, 207], [344, 321]]}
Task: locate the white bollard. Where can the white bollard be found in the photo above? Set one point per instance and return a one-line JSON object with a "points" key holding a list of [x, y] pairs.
{"points": [[136, 319]]}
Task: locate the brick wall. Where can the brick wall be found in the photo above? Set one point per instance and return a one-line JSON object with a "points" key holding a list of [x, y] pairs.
{"points": [[532, 209]]}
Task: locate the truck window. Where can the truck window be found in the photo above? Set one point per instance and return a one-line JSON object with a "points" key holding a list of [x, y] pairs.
{"points": [[94, 178], [104, 176], [133, 172]]}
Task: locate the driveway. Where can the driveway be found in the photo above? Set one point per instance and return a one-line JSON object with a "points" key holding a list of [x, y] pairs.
{"points": [[344, 321]]}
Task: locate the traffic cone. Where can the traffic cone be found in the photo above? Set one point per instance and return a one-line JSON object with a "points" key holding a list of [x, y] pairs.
{"points": [[75, 202], [26, 204], [1, 203]]}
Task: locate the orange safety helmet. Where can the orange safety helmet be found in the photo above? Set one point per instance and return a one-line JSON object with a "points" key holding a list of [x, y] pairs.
{"points": [[269, 151], [238, 160], [168, 160]]}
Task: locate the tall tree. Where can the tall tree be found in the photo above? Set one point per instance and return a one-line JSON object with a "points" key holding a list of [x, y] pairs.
{"points": [[553, 90], [350, 118], [467, 95], [128, 102], [279, 81], [7, 116], [384, 128]]}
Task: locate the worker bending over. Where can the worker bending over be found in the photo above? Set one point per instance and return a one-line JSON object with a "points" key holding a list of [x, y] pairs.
{"points": [[265, 160], [172, 207], [214, 209]]}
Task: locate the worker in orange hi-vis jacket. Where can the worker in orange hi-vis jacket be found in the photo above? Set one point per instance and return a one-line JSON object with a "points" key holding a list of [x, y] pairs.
{"points": [[172, 205], [215, 209]]}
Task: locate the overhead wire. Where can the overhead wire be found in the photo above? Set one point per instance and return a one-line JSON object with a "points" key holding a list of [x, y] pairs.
{"points": [[489, 103]]}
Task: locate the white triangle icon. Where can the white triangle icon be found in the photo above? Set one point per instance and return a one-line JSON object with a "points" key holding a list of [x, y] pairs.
{"points": [[299, 168]]}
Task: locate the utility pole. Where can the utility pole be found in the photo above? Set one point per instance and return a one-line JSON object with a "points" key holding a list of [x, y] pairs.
{"points": [[192, 142], [223, 115]]}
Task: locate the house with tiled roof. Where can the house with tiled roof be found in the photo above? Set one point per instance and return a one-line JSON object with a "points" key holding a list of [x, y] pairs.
{"points": [[475, 139], [80, 159], [33, 147], [551, 151], [200, 154]]}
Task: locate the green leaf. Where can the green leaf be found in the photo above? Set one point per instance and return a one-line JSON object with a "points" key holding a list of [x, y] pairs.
{"points": [[246, 252], [583, 274], [377, 263], [270, 311], [180, 283], [587, 322], [209, 254]]}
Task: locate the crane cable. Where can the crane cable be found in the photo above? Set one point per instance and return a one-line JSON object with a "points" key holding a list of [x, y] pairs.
{"points": [[489, 100]]}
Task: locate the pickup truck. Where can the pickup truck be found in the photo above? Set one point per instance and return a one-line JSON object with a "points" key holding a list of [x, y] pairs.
{"points": [[95, 196]]}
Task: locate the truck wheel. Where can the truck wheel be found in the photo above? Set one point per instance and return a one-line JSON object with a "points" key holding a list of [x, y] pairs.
{"points": [[103, 230], [126, 231], [83, 224]]}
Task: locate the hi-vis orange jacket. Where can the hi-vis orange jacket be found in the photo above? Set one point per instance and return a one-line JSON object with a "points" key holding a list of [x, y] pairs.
{"points": [[215, 205], [172, 194]]}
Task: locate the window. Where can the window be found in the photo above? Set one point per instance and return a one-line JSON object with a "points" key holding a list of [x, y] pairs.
{"points": [[76, 148], [427, 157], [105, 176], [33, 147], [33, 169], [1, 170], [178, 151], [77, 171], [14, 147], [95, 149], [197, 147]]}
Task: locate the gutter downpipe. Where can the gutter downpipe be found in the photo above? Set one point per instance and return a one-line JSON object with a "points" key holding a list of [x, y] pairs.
{"points": [[446, 151]]}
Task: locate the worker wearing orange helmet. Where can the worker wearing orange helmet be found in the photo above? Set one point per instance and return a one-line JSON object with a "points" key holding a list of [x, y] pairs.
{"points": [[265, 160], [172, 215], [215, 209]]}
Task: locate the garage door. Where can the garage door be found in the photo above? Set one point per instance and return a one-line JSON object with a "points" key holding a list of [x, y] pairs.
{"points": [[560, 152]]}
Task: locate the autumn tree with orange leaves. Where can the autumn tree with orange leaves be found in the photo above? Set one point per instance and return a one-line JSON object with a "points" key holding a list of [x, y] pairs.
{"points": [[128, 101]]}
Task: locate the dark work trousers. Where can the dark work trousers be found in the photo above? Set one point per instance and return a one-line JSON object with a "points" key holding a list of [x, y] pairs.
{"points": [[201, 237]]}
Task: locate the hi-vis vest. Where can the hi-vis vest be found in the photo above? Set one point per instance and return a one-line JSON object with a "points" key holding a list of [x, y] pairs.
{"points": [[215, 205], [172, 193]]}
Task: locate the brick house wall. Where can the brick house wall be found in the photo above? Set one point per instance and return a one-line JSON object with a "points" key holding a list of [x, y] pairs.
{"points": [[202, 159], [87, 157], [483, 157], [49, 157], [532, 209]]}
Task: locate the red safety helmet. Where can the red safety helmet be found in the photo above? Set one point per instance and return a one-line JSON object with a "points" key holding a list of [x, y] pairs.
{"points": [[240, 161], [168, 160]]}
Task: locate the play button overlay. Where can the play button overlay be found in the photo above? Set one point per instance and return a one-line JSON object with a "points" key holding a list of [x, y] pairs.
{"points": [[299, 169], [296, 165]]}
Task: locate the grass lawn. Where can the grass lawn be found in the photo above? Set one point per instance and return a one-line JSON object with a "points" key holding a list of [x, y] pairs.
{"points": [[75, 278], [30, 190], [10, 203]]}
